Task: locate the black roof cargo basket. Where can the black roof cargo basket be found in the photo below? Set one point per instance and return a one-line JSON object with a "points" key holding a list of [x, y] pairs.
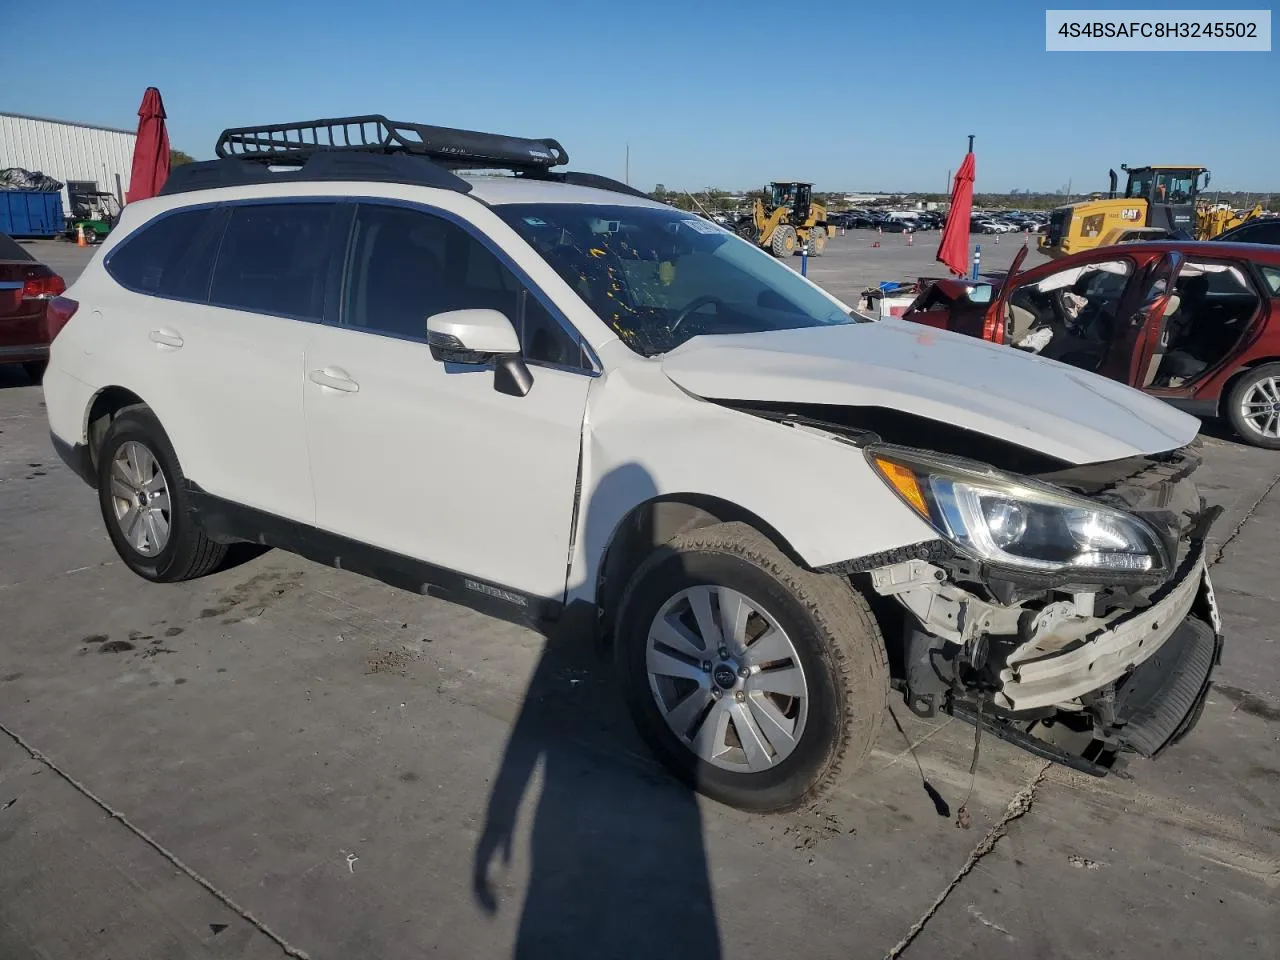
{"points": [[372, 148], [283, 143]]}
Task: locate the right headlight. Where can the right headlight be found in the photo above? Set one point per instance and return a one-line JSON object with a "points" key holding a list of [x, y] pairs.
{"points": [[1016, 522]]}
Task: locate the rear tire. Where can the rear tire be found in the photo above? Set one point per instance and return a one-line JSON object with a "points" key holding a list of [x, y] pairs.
{"points": [[34, 369], [1247, 408], [145, 505], [803, 682], [783, 241]]}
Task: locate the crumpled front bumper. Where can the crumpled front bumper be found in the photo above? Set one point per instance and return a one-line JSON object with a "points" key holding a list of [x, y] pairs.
{"points": [[1030, 682]]}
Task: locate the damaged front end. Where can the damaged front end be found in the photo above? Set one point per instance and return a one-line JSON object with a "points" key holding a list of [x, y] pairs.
{"points": [[1069, 611]]}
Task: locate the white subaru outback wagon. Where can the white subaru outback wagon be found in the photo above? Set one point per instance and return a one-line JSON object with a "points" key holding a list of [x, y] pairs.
{"points": [[541, 394]]}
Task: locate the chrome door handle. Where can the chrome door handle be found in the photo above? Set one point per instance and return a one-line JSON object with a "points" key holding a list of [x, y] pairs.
{"points": [[166, 338], [334, 379]]}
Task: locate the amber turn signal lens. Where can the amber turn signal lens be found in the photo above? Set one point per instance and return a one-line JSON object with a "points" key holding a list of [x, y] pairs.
{"points": [[905, 482]]}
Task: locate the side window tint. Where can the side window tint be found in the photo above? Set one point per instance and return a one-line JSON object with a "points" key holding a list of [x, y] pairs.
{"points": [[406, 265], [272, 259], [1263, 233], [171, 256]]}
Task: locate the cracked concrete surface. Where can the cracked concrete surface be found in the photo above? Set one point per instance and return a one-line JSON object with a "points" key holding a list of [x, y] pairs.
{"points": [[366, 772], [1019, 806]]}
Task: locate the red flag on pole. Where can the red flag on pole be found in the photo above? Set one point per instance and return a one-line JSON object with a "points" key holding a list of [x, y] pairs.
{"points": [[151, 151], [953, 251]]}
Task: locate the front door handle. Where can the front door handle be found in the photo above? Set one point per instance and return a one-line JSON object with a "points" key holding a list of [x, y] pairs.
{"points": [[334, 379], [166, 338]]}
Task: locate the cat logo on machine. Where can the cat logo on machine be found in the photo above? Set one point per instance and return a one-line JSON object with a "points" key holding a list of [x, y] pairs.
{"points": [[1130, 213]]}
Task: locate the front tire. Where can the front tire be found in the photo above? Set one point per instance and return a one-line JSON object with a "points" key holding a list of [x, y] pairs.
{"points": [[1253, 406], [144, 502], [783, 241], [754, 681], [34, 369]]}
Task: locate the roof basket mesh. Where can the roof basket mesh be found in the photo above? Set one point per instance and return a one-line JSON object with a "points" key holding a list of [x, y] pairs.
{"points": [[293, 143]]}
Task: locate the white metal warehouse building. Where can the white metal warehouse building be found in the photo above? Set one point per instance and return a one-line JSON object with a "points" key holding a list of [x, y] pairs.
{"points": [[68, 151]]}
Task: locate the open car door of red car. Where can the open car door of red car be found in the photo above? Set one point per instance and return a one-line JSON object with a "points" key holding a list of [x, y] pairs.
{"points": [[1140, 338], [995, 323]]}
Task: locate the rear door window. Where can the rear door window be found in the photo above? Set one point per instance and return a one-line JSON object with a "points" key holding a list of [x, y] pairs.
{"points": [[172, 256], [272, 259]]}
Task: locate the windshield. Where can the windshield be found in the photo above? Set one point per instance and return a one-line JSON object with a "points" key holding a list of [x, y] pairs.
{"points": [[1171, 186], [659, 277]]}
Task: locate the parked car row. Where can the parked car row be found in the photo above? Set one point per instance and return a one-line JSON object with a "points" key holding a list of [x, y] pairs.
{"points": [[1011, 221], [887, 221]]}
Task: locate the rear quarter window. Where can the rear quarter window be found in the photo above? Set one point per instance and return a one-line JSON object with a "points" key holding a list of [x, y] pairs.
{"points": [[1271, 276], [170, 256]]}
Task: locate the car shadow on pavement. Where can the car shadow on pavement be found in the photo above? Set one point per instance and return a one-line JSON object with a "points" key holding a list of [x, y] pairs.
{"points": [[618, 867]]}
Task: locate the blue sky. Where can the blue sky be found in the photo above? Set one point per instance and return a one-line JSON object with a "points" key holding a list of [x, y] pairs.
{"points": [[848, 95]]}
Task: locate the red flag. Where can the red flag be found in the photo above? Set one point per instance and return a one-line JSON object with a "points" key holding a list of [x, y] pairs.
{"points": [[953, 251], [151, 151]]}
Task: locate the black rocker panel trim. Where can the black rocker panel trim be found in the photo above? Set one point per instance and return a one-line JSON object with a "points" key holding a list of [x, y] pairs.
{"points": [[226, 521]]}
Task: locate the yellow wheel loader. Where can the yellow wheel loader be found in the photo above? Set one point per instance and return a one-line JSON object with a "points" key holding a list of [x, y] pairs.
{"points": [[786, 219], [1158, 202]]}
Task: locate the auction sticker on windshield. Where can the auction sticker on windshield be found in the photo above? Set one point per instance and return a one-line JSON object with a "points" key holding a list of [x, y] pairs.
{"points": [[702, 226], [1171, 30]]}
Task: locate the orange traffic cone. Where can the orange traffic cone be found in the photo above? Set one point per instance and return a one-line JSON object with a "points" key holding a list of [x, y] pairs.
{"points": [[910, 242], [80, 238], [997, 239]]}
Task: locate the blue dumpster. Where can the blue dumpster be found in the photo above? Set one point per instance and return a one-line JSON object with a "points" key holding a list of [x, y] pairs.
{"points": [[26, 213]]}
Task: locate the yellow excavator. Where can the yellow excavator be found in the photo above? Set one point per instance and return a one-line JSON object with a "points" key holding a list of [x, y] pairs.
{"points": [[786, 219], [1158, 202]]}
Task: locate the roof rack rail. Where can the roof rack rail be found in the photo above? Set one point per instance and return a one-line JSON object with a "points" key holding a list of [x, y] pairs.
{"points": [[286, 143], [325, 166], [374, 149]]}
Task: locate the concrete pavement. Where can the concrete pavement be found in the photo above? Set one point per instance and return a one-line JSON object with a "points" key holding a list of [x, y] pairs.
{"points": [[283, 759]]}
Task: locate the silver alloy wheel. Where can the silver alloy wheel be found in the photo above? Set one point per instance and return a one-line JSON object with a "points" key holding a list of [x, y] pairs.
{"points": [[727, 679], [1260, 407], [140, 498]]}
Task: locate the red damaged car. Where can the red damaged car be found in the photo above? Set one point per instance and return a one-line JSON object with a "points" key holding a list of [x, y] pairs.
{"points": [[1194, 323], [29, 317]]}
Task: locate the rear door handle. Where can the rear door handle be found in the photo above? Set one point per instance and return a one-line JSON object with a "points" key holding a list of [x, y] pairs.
{"points": [[166, 338], [334, 379]]}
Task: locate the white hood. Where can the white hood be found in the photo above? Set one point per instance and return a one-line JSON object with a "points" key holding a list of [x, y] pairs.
{"points": [[1036, 403]]}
